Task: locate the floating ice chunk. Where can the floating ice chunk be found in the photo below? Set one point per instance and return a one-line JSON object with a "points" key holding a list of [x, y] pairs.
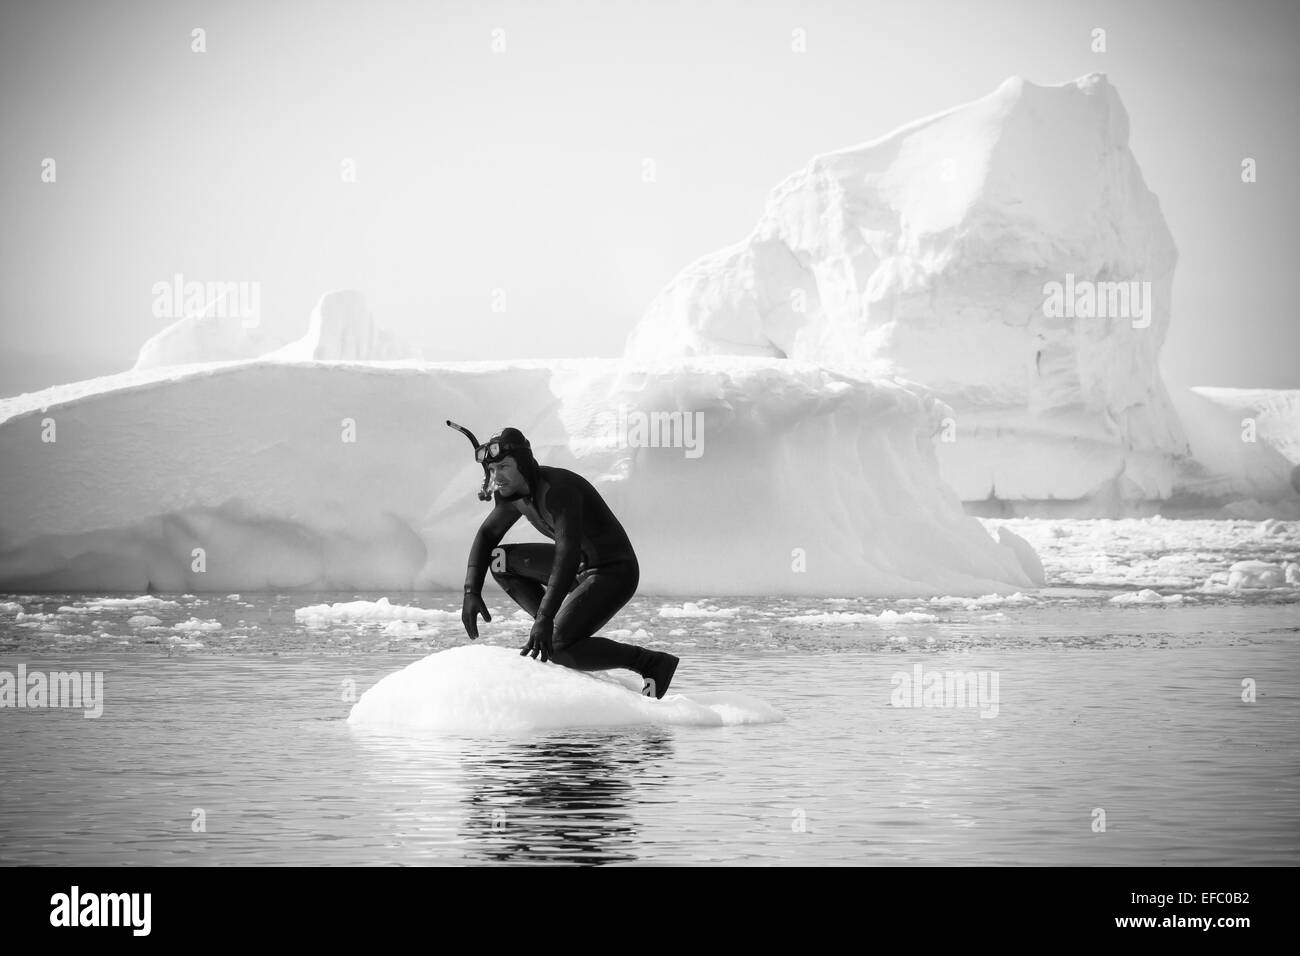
{"points": [[143, 620], [144, 600], [622, 633], [480, 689], [10, 607], [381, 610], [832, 617], [195, 625], [906, 617], [863, 617], [987, 600], [1246, 575], [1146, 596], [1293, 574], [691, 609]]}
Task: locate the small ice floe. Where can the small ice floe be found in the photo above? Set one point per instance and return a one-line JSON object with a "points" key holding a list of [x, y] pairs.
{"points": [[1256, 574], [108, 604], [978, 603], [143, 620], [691, 609], [833, 617], [1147, 596], [625, 633], [480, 689], [886, 616], [194, 625], [1251, 576], [371, 612], [906, 617]]}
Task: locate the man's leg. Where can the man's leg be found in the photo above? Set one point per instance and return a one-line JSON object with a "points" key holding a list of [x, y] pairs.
{"points": [[527, 569], [600, 595]]}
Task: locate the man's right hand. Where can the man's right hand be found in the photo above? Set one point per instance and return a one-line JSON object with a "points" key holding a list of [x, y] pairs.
{"points": [[469, 612]]}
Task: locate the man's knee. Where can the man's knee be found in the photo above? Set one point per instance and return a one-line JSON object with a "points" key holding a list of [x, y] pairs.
{"points": [[526, 560], [562, 639], [562, 657], [505, 565]]}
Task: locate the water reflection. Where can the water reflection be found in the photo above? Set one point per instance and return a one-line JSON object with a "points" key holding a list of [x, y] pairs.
{"points": [[562, 799]]}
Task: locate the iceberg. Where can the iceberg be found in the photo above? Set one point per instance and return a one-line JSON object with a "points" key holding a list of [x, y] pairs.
{"points": [[205, 338], [320, 475], [1245, 451], [341, 328], [1007, 254]]}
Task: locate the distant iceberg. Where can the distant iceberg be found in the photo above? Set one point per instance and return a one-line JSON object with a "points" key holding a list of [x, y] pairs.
{"points": [[341, 328]]}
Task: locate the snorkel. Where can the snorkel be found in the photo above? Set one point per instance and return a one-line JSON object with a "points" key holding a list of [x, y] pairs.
{"points": [[483, 493], [505, 443]]}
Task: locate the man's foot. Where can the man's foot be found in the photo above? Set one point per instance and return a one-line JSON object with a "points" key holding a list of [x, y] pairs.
{"points": [[660, 676]]}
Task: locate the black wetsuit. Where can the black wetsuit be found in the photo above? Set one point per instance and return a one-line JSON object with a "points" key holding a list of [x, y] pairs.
{"points": [[591, 563]]}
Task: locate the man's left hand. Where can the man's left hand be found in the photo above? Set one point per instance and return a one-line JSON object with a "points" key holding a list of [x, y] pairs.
{"points": [[539, 641]]}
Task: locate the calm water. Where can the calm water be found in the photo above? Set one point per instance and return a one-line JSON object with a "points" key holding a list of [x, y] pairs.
{"points": [[1135, 711]]}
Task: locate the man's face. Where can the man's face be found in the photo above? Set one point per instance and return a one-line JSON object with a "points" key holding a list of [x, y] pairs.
{"points": [[506, 478]]}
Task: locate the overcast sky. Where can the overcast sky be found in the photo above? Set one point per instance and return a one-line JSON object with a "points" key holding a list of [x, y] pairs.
{"points": [[522, 170]]}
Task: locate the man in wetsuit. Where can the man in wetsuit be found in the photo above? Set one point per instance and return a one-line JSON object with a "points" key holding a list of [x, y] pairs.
{"points": [[571, 588]]}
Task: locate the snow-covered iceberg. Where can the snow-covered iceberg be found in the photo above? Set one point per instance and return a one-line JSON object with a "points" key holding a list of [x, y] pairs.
{"points": [[731, 475], [1006, 253]]}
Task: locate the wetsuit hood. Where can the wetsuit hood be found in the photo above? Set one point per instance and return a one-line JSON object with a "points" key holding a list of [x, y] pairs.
{"points": [[511, 443]]}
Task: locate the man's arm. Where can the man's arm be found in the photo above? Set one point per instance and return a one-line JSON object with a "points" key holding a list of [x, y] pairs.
{"points": [[565, 506], [490, 532]]}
